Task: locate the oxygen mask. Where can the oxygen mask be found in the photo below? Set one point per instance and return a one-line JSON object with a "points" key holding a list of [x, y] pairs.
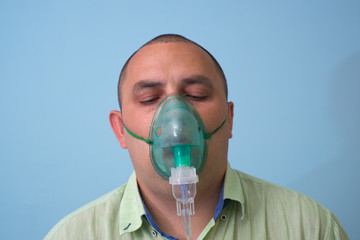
{"points": [[178, 145]]}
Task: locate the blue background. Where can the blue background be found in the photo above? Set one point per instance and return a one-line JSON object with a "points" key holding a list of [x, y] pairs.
{"points": [[293, 71]]}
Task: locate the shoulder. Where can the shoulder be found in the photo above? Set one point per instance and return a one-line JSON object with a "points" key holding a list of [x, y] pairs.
{"points": [[92, 216], [280, 199], [253, 186], [297, 213]]}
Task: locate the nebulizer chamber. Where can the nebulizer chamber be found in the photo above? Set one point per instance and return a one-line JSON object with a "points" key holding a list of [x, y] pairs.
{"points": [[178, 151], [183, 180]]}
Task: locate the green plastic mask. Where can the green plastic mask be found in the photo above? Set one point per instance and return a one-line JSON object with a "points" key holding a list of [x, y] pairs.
{"points": [[177, 136]]}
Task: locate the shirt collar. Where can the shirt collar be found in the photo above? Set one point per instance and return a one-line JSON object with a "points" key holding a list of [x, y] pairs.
{"points": [[233, 189], [218, 209], [131, 207]]}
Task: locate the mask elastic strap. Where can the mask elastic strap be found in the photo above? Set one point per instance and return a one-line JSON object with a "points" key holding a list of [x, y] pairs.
{"points": [[136, 136], [208, 135]]}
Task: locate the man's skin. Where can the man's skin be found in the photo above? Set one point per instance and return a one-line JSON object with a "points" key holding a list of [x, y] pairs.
{"points": [[155, 71]]}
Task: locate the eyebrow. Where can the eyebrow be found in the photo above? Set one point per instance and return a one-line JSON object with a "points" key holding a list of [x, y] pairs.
{"points": [[192, 80], [197, 79], [146, 84]]}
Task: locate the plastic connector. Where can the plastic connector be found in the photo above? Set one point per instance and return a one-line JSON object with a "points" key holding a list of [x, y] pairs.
{"points": [[183, 175]]}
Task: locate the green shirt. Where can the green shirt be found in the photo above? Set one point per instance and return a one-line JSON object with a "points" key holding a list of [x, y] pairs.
{"points": [[256, 209]]}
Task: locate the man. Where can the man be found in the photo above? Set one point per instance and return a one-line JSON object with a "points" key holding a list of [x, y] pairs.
{"points": [[228, 204]]}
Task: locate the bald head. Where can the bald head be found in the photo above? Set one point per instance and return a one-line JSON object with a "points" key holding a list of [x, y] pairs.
{"points": [[168, 38]]}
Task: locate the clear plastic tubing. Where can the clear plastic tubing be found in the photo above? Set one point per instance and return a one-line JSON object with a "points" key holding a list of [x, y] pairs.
{"points": [[186, 211]]}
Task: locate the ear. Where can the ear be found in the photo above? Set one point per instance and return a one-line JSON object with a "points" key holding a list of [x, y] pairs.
{"points": [[117, 126], [230, 117]]}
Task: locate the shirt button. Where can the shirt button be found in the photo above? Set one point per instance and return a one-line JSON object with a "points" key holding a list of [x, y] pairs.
{"points": [[154, 233], [223, 218]]}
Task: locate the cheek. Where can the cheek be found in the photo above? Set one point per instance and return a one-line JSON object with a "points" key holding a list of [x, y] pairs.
{"points": [[138, 123], [213, 115], [139, 153], [218, 148]]}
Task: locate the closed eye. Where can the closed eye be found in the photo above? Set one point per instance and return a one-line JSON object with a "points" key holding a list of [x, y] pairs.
{"points": [[149, 101], [196, 98]]}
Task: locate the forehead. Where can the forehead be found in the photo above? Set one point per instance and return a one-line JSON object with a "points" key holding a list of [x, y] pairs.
{"points": [[159, 60]]}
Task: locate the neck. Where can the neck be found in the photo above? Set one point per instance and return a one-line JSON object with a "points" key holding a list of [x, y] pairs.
{"points": [[162, 208]]}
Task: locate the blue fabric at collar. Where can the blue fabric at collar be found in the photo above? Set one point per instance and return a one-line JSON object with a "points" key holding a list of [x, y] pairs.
{"points": [[220, 205], [154, 225]]}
